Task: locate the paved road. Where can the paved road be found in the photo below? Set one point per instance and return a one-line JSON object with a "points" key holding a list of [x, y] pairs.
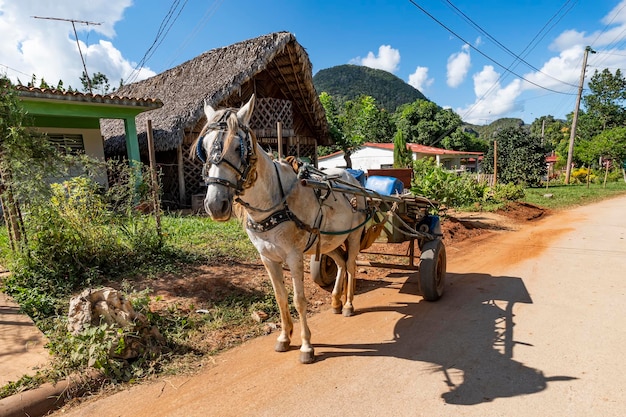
{"points": [[532, 323]]}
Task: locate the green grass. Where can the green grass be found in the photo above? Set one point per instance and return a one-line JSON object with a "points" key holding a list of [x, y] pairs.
{"points": [[213, 241], [564, 196]]}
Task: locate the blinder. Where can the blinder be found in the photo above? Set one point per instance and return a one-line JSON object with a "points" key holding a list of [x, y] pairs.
{"points": [[216, 155]]}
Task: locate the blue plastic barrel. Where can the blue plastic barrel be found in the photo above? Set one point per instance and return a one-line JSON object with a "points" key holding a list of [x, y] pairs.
{"points": [[384, 185], [359, 174]]}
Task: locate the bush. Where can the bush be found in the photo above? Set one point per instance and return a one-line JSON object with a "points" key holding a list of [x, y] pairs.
{"points": [[73, 241], [459, 191]]}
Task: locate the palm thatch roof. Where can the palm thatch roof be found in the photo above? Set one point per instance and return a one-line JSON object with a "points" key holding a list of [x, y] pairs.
{"points": [[271, 66]]}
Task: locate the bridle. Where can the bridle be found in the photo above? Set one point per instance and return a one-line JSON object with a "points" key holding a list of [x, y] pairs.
{"points": [[245, 171]]}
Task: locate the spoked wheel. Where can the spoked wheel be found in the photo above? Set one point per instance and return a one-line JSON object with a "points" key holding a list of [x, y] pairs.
{"points": [[432, 270], [323, 271]]}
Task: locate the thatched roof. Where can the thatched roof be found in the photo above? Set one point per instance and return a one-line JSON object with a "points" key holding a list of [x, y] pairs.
{"points": [[273, 65]]}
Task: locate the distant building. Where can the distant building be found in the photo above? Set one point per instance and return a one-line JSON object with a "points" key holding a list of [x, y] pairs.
{"points": [[380, 155]]}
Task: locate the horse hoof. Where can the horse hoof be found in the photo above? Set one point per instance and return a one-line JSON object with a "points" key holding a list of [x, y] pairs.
{"points": [[307, 357], [348, 311], [337, 310], [281, 346]]}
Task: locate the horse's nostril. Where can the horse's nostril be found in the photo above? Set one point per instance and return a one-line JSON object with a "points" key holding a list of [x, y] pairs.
{"points": [[224, 207]]}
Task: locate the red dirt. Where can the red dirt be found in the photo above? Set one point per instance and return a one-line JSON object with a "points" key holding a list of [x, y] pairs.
{"points": [[201, 287]]}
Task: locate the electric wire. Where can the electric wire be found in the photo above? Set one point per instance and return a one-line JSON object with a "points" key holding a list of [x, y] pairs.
{"points": [[166, 24], [213, 8], [481, 52], [518, 58]]}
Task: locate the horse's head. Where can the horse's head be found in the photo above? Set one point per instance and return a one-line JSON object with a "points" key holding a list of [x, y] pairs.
{"points": [[227, 148]]}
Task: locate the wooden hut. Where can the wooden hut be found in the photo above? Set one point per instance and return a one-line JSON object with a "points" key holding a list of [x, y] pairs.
{"points": [[275, 67]]}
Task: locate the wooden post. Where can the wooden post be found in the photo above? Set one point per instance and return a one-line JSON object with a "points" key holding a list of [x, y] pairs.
{"points": [[495, 162], [182, 191], [279, 133], [606, 172], [154, 186], [12, 213]]}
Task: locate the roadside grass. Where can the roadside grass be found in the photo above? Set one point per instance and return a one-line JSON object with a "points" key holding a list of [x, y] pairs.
{"points": [[563, 196], [188, 241]]}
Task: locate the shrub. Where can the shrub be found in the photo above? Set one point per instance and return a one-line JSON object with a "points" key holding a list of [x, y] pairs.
{"points": [[459, 191]]}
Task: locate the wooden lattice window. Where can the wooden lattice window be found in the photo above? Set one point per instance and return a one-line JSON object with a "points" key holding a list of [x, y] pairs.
{"points": [[269, 111]]}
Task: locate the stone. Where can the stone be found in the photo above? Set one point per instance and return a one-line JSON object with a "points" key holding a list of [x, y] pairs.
{"points": [[93, 307]]}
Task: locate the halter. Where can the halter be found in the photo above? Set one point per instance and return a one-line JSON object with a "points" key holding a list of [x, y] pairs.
{"points": [[216, 155]]}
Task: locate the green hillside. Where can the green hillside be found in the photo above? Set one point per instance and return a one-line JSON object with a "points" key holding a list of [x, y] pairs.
{"points": [[488, 131], [347, 82]]}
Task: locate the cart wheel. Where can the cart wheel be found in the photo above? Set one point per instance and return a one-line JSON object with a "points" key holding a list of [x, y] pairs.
{"points": [[323, 271], [432, 270]]}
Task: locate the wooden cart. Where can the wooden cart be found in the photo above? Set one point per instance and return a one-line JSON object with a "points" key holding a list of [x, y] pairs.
{"points": [[398, 218]]}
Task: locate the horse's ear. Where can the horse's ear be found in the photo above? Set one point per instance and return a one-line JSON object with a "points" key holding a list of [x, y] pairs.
{"points": [[209, 111], [245, 113]]}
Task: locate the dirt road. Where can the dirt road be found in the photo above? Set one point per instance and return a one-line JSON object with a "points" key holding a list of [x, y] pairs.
{"points": [[532, 323]]}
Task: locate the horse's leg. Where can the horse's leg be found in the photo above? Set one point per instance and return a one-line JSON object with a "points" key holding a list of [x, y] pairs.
{"points": [[353, 248], [337, 293], [296, 265], [275, 271]]}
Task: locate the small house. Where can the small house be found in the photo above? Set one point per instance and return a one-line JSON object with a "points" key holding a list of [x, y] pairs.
{"points": [[72, 119], [274, 67], [372, 156]]}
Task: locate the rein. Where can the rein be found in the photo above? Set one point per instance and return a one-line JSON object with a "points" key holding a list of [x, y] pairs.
{"points": [[247, 174]]}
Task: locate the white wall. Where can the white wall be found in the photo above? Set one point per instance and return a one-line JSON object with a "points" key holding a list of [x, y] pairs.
{"points": [[364, 159], [94, 146]]}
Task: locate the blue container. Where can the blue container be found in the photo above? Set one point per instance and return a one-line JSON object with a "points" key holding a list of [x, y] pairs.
{"points": [[384, 185], [359, 174]]}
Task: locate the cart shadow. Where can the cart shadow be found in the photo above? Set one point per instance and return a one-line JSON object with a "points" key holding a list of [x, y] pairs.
{"points": [[467, 336]]}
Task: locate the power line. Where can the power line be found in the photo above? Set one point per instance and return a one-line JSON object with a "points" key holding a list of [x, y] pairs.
{"points": [[203, 21], [513, 54], [164, 28], [15, 70], [482, 53]]}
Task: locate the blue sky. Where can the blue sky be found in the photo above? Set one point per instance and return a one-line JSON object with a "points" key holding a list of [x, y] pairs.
{"points": [[462, 67]]}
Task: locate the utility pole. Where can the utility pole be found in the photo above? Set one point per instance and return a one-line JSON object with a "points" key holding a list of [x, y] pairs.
{"points": [[84, 22], [572, 133]]}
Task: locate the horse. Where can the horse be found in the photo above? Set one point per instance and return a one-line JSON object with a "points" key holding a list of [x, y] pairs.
{"points": [[285, 219]]}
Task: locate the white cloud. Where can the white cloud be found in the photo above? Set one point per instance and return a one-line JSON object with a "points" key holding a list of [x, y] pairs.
{"points": [[492, 99], [458, 66], [419, 79], [388, 59], [48, 49]]}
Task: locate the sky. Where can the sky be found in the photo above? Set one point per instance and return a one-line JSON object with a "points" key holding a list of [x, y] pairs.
{"points": [[484, 59]]}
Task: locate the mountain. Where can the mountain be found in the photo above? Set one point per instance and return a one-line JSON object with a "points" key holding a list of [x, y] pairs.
{"points": [[489, 131], [347, 82]]}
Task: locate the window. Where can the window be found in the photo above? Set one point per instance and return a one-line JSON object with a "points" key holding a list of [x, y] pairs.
{"points": [[68, 143]]}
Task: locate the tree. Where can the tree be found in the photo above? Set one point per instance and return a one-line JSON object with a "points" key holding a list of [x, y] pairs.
{"points": [[521, 157], [402, 157], [551, 130], [426, 123], [607, 98], [608, 145], [27, 161], [358, 121], [99, 83]]}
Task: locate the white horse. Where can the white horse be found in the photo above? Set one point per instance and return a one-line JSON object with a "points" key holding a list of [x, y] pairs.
{"points": [[285, 219]]}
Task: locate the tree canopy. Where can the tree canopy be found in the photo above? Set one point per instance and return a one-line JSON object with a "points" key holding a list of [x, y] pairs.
{"points": [[520, 157]]}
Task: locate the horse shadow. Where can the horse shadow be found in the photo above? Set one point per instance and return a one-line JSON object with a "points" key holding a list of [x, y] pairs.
{"points": [[467, 336]]}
